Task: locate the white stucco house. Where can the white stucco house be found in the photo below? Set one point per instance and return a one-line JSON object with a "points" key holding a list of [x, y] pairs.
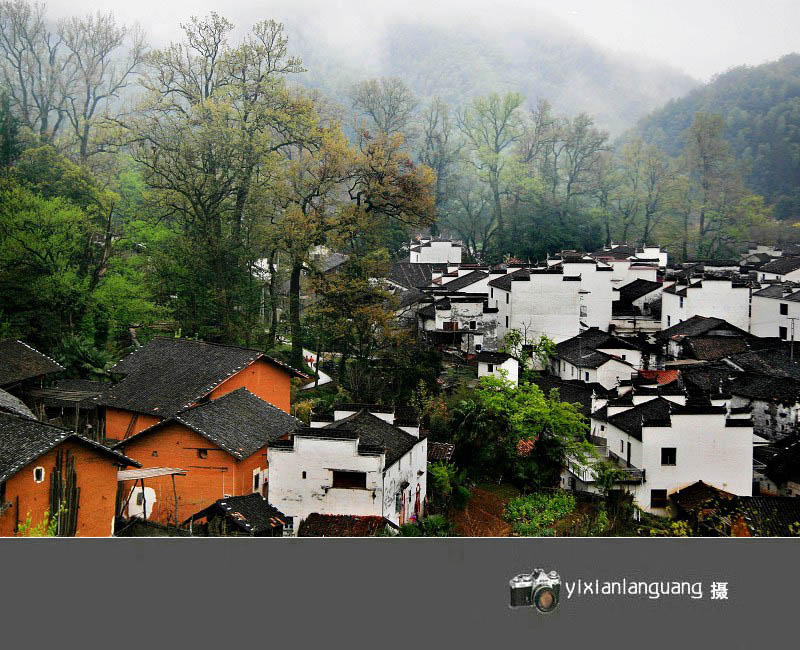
{"points": [[774, 309], [594, 356], [662, 446], [720, 297], [358, 464], [537, 302], [498, 364], [432, 250], [782, 269]]}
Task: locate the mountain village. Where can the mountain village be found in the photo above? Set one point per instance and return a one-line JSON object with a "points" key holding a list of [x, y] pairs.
{"points": [[686, 376]]}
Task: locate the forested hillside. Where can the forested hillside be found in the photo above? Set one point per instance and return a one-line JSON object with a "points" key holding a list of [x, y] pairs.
{"points": [[760, 106]]}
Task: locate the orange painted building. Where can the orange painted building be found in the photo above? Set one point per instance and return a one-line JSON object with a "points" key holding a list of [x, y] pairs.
{"points": [[29, 452], [222, 446], [169, 375]]}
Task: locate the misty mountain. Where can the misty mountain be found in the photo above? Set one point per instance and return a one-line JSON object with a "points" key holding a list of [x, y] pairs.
{"points": [[761, 109], [458, 59]]}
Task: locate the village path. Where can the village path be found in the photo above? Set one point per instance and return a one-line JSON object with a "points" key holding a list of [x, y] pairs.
{"points": [[311, 360]]}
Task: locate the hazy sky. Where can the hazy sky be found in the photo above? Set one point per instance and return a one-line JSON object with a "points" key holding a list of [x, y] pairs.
{"points": [[701, 37]]}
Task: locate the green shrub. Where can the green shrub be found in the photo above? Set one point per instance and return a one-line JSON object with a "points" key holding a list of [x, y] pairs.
{"points": [[534, 514]]}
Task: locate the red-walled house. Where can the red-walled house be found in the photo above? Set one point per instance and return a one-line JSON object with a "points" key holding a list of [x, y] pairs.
{"points": [[169, 375], [222, 446], [32, 453]]}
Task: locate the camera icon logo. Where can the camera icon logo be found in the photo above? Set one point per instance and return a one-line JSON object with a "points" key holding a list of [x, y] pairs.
{"points": [[539, 589]]}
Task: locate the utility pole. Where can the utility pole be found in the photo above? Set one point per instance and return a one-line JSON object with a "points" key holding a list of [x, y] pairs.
{"points": [[791, 349]]}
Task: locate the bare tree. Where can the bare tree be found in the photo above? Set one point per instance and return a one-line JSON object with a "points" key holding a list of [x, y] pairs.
{"points": [[98, 72], [34, 66], [388, 102]]}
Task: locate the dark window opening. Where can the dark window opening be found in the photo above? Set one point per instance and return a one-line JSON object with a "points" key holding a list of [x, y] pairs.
{"points": [[38, 474], [668, 455], [490, 367], [256, 481], [473, 324], [356, 480], [155, 453], [304, 474], [784, 309], [139, 498], [783, 333], [506, 321], [658, 498], [507, 297], [202, 453], [2, 493]]}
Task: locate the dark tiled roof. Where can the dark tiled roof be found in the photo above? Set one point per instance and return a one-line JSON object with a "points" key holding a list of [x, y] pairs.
{"points": [[492, 357], [700, 495], [407, 298], [465, 281], [168, 374], [504, 281], [711, 348], [251, 513], [414, 276], [440, 452], [631, 420], [770, 516], [782, 265], [238, 422], [11, 404], [573, 392], [23, 440], [581, 350], [19, 361], [637, 289], [778, 292], [429, 311], [375, 432], [317, 525], [697, 326]]}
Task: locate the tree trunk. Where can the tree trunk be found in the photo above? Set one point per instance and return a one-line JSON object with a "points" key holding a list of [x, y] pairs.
{"points": [[294, 315]]}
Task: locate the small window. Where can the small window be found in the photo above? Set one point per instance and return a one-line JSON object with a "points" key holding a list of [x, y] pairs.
{"points": [[668, 455], [38, 474], [585, 376], [492, 293], [669, 320], [681, 303], [351, 480], [506, 321], [478, 347], [490, 367], [304, 474], [473, 325], [2, 493], [784, 309], [622, 446], [155, 453], [288, 523], [623, 357], [783, 333], [202, 453], [256, 481], [658, 498], [139, 498], [507, 297]]}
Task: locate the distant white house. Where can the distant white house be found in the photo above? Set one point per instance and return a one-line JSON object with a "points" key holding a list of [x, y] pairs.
{"points": [[537, 302], [431, 250], [782, 269], [774, 309], [719, 297], [595, 356], [662, 446], [498, 364], [358, 464]]}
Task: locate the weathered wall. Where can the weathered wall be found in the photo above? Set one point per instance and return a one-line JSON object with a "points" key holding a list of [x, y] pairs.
{"points": [[96, 476], [217, 475]]}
